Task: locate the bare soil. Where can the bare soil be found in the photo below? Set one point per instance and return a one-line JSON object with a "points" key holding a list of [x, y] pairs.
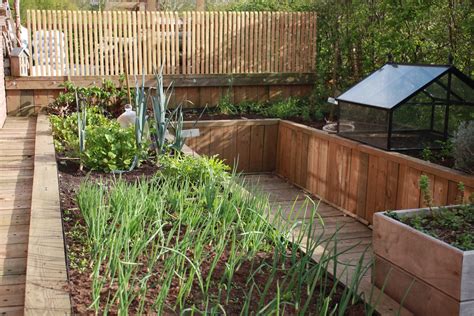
{"points": [[80, 278]]}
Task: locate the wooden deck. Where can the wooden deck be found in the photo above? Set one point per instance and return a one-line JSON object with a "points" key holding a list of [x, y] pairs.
{"points": [[353, 237], [17, 145]]}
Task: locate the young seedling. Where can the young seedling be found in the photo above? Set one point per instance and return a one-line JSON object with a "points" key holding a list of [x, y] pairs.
{"points": [[424, 184]]}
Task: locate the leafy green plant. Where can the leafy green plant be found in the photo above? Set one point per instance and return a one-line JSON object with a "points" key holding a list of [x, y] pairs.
{"points": [[107, 147], [110, 148], [66, 129], [427, 154], [453, 225], [194, 169], [424, 184], [226, 106], [107, 97]]}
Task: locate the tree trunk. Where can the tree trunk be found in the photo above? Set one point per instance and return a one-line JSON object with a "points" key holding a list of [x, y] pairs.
{"points": [[200, 5]]}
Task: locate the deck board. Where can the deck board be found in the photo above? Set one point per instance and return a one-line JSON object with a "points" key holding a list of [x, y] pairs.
{"points": [[17, 141], [354, 239]]}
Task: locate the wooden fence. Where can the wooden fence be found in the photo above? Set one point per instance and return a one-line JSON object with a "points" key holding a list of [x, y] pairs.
{"points": [[359, 178], [108, 43], [354, 177], [250, 144]]}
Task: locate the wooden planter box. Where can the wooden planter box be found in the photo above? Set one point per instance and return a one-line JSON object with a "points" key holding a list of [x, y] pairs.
{"points": [[430, 276]]}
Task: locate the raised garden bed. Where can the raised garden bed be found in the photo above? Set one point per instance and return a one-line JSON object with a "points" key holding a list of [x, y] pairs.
{"points": [[428, 275]]}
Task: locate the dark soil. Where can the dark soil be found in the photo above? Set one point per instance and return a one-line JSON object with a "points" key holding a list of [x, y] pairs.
{"points": [[80, 279], [436, 159], [454, 226]]}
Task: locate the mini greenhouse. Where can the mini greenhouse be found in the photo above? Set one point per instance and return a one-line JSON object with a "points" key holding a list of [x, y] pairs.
{"points": [[406, 106]]}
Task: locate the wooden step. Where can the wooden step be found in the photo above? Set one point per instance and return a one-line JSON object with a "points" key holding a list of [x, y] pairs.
{"points": [[12, 310], [11, 205], [14, 219], [14, 181], [12, 300], [15, 194], [13, 251], [16, 234], [12, 266], [17, 145]]}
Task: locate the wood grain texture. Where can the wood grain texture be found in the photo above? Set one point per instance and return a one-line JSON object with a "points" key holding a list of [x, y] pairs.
{"points": [[17, 140], [358, 178], [252, 144], [46, 278], [209, 38]]}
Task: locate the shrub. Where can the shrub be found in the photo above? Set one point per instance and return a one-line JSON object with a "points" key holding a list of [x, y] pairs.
{"points": [[194, 169], [463, 142]]}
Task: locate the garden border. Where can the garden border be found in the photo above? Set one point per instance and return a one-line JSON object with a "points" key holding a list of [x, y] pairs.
{"points": [[46, 272]]}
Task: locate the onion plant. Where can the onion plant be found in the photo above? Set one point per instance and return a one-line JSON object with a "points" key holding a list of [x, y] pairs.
{"points": [[178, 244]]}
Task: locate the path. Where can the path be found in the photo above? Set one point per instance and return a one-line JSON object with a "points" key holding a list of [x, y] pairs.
{"points": [[354, 238], [17, 141]]}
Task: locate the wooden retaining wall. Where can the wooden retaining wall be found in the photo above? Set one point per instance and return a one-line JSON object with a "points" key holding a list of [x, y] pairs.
{"points": [[358, 178], [190, 90], [250, 143], [354, 177]]}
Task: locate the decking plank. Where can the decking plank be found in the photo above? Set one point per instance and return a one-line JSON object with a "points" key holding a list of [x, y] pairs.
{"points": [[352, 238], [17, 143]]}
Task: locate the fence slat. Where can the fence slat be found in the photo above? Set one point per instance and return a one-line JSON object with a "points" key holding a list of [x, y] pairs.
{"points": [[108, 43]]}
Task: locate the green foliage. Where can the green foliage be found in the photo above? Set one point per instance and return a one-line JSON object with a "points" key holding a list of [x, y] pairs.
{"points": [[453, 225], [424, 184], [194, 169], [65, 130], [291, 107], [44, 5], [355, 37], [226, 106], [463, 143], [427, 154], [108, 147], [190, 245], [108, 98], [164, 118]]}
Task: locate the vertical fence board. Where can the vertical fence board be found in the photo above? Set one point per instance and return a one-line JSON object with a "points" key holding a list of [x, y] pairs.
{"points": [[109, 42]]}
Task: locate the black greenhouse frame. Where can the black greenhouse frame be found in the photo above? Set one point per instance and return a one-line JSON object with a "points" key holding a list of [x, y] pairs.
{"points": [[406, 106]]}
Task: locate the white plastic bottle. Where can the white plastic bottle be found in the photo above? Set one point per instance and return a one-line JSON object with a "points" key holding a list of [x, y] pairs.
{"points": [[128, 117]]}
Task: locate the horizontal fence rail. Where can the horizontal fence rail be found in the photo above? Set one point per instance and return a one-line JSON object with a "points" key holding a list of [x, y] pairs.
{"points": [[93, 43]]}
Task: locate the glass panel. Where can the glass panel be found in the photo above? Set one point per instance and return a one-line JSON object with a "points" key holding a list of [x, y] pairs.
{"points": [[391, 84], [440, 113], [412, 117], [365, 124], [461, 89], [457, 115]]}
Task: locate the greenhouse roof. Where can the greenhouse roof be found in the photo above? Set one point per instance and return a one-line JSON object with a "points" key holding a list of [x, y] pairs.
{"points": [[393, 84]]}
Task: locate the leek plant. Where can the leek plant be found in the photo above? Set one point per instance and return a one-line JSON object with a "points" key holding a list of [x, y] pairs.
{"points": [[176, 245], [163, 118], [81, 124]]}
